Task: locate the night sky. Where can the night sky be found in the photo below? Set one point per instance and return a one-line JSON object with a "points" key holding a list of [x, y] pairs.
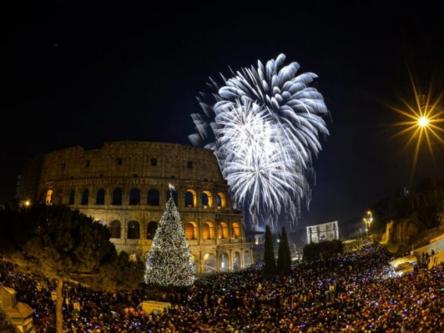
{"points": [[85, 75]]}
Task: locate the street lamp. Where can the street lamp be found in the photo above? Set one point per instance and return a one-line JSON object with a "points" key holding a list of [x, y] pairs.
{"points": [[368, 219], [423, 121], [26, 203]]}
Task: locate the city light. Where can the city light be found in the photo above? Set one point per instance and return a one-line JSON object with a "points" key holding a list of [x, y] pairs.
{"points": [[368, 220], [421, 120]]}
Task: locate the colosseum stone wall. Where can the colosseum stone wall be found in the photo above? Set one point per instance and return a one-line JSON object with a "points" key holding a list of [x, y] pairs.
{"points": [[124, 185]]}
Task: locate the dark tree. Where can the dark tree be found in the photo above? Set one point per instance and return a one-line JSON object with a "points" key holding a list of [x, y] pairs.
{"points": [[60, 244], [284, 256], [311, 252], [323, 250], [269, 259]]}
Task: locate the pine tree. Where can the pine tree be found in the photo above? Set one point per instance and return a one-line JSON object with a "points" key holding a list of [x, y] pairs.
{"points": [[284, 256], [169, 261], [269, 260]]}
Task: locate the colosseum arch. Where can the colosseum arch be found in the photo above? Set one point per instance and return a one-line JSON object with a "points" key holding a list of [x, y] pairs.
{"points": [[223, 230], [151, 228], [115, 228], [72, 197], [191, 230], [48, 197], [208, 230], [133, 230], [190, 198], [209, 263], [221, 200], [58, 197], [85, 197], [117, 196], [103, 173], [224, 262], [195, 261], [247, 259], [236, 230], [153, 198], [237, 261], [134, 197], [207, 199], [100, 197]]}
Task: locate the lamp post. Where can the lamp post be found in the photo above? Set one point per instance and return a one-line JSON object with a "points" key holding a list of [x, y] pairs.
{"points": [[368, 219]]}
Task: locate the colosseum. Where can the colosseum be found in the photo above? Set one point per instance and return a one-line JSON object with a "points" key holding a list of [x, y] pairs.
{"points": [[124, 185]]}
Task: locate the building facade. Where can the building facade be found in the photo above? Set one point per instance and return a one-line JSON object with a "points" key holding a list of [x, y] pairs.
{"points": [[125, 185], [323, 232]]}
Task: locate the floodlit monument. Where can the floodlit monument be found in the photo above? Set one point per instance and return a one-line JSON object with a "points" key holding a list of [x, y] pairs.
{"points": [[125, 185], [322, 232]]}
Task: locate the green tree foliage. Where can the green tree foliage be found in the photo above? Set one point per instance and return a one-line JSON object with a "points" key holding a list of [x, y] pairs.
{"points": [[269, 259], [121, 273], [323, 250], [61, 244], [284, 255]]}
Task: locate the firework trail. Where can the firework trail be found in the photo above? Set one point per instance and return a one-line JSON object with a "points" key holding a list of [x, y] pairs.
{"points": [[264, 125]]}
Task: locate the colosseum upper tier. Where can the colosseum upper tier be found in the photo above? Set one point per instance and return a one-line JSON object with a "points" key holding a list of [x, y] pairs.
{"points": [[125, 186]]}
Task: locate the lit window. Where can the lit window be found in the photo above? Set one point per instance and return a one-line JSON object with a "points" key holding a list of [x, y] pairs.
{"points": [[48, 199], [236, 230], [190, 231], [220, 200], [190, 198], [223, 230], [207, 199], [208, 231]]}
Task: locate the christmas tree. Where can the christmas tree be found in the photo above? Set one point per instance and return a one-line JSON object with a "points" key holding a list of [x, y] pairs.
{"points": [[169, 262]]}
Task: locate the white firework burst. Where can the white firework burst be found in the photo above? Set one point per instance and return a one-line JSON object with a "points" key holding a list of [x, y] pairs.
{"points": [[264, 126], [260, 174]]}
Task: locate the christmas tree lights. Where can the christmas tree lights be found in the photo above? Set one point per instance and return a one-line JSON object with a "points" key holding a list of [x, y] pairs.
{"points": [[169, 261]]}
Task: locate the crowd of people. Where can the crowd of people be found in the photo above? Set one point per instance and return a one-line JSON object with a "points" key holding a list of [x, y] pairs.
{"points": [[357, 292]]}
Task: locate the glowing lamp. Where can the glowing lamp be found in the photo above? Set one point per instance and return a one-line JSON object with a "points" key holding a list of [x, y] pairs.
{"points": [[423, 121]]}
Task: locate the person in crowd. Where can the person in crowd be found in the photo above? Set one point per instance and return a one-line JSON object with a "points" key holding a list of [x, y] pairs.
{"points": [[353, 293]]}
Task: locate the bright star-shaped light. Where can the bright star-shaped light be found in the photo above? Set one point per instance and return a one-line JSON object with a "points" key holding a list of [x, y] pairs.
{"points": [[421, 121]]}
